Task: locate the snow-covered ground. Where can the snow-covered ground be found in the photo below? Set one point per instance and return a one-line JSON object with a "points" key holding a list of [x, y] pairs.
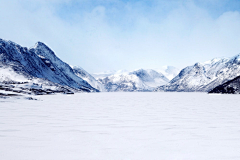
{"points": [[121, 126]]}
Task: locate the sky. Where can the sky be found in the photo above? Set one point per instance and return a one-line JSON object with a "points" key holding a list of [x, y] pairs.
{"points": [[101, 35]]}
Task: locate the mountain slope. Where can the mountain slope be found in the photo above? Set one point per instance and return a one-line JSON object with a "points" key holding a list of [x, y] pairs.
{"points": [[139, 80], [230, 87], [80, 72], [39, 64], [203, 77], [19, 84]]}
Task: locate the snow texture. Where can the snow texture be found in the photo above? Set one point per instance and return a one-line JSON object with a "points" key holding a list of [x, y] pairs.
{"points": [[121, 126]]}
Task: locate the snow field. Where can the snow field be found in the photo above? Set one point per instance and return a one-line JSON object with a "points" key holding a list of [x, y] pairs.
{"points": [[121, 126]]}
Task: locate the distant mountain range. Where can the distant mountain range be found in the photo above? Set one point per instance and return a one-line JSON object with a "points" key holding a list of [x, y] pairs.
{"points": [[203, 77], [138, 80], [38, 70]]}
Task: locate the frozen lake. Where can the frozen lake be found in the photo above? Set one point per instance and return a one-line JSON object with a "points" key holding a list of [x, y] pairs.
{"points": [[121, 126]]}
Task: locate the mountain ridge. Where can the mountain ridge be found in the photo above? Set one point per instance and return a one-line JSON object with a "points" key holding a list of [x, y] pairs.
{"points": [[139, 80], [38, 64], [202, 77]]}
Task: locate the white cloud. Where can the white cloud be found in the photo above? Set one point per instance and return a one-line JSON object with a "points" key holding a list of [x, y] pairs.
{"points": [[122, 35]]}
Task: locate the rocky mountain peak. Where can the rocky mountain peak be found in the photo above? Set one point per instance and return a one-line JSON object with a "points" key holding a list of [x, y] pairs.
{"points": [[43, 50]]}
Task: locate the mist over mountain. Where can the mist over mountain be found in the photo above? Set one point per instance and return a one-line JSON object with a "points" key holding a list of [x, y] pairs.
{"points": [[169, 71], [138, 80]]}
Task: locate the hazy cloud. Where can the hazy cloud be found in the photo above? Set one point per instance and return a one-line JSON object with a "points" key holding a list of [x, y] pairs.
{"points": [[105, 35]]}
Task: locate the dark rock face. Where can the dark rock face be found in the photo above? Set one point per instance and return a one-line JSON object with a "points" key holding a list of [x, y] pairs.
{"points": [[39, 65], [230, 87]]}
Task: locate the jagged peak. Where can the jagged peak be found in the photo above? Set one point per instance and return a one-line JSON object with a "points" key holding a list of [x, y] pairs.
{"points": [[144, 70], [215, 60], [139, 72], [236, 57], [8, 41], [40, 44], [197, 64], [46, 50]]}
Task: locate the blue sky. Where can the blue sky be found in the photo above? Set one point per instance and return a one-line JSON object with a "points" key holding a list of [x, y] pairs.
{"points": [[101, 35]]}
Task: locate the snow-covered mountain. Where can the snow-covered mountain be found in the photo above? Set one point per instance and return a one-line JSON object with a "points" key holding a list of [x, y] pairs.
{"points": [[230, 87], [108, 73], [37, 66], [168, 71], [80, 72], [138, 80], [204, 76]]}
